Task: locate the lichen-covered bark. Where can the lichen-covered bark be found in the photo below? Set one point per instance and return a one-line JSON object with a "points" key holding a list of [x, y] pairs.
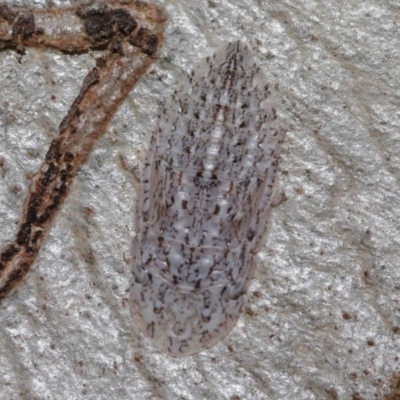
{"points": [[115, 26]]}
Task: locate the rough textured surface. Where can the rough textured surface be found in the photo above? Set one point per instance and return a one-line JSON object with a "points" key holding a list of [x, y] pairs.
{"points": [[322, 316], [103, 90], [205, 203]]}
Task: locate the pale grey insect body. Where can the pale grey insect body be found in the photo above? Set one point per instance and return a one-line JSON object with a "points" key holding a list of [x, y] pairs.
{"points": [[205, 203]]}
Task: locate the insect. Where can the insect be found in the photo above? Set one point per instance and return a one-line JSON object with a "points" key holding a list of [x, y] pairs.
{"points": [[204, 208]]}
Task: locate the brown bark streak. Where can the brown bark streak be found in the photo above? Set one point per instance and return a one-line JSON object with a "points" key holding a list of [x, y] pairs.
{"points": [[131, 34]]}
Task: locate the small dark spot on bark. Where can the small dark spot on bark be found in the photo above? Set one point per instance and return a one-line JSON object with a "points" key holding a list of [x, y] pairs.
{"points": [[32, 216], [126, 23], [64, 176], [50, 174], [68, 157], [62, 189], [250, 312], [9, 252], [101, 62], [24, 27], [54, 153], [346, 316], [23, 233], [56, 201], [138, 358], [146, 41], [353, 375], [102, 24], [36, 237]]}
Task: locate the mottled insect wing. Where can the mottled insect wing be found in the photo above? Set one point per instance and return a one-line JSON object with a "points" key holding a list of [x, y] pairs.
{"points": [[205, 203]]}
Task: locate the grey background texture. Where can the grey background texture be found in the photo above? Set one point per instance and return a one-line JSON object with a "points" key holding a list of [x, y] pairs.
{"points": [[322, 316]]}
